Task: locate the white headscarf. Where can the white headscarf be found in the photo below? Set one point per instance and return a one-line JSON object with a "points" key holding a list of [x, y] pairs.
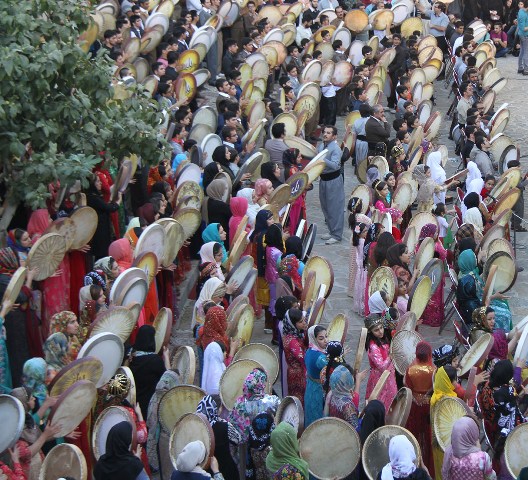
{"points": [[473, 172], [253, 208], [474, 217], [376, 304], [207, 255], [206, 294], [190, 458], [434, 162], [312, 341], [84, 296], [401, 459], [213, 367], [475, 186]]}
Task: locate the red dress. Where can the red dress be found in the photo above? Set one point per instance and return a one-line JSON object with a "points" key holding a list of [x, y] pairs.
{"points": [[294, 351]]}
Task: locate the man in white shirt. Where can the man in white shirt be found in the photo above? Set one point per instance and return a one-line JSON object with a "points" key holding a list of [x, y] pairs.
{"points": [[304, 30]]}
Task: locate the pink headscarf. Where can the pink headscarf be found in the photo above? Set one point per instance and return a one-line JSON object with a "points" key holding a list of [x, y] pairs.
{"points": [[38, 223], [464, 437], [261, 188], [239, 206], [121, 251], [428, 230]]}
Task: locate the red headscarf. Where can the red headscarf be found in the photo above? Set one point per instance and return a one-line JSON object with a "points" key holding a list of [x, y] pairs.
{"points": [[8, 261], [239, 206], [121, 252], [147, 212], [214, 329], [38, 223], [424, 353]]}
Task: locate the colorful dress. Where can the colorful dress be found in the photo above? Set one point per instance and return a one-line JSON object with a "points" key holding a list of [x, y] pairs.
{"points": [[475, 466], [5, 371], [273, 256], [379, 361], [343, 404], [314, 361], [294, 351]]}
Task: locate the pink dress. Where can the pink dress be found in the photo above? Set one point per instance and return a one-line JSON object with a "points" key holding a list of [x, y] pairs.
{"points": [[475, 466], [271, 274], [359, 273], [379, 361], [434, 312]]}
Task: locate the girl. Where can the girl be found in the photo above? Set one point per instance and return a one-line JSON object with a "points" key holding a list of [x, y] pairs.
{"points": [[439, 211], [215, 208], [291, 264], [291, 160], [390, 180], [402, 458], [214, 232], [383, 195], [293, 328], [274, 250], [489, 184], [399, 259], [284, 460], [344, 401], [402, 298], [357, 277], [239, 207], [263, 191], [315, 360], [377, 346]]}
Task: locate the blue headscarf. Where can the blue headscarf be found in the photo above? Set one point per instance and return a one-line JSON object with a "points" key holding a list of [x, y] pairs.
{"points": [[211, 234]]}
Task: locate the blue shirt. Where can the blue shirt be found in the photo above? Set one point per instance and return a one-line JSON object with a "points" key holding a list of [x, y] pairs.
{"points": [[522, 22]]}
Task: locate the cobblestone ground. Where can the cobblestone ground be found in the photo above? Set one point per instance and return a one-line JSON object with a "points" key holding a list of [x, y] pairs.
{"points": [[338, 302]]}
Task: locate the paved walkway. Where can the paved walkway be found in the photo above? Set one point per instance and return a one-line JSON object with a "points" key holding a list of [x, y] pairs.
{"points": [[515, 93]]}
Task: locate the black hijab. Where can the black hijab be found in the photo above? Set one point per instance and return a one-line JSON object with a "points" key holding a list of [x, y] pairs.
{"points": [[501, 374], [210, 172], [266, 171], [219, 156], [118, 463], [467, 244], [261, 223], [472, 200], [146, 339], [293, 246], [373, 418]]}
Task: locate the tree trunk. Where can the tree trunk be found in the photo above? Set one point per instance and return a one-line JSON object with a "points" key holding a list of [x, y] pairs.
{"points": [[9, 210]]}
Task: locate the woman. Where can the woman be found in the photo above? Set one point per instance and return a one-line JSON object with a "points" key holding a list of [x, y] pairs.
{"points": [[122, 252], [438, 174], [225, 436], [213, 291], [118, 462], [34, 379], [290, 264], [344, 399], [463, 457], [252, 208], [56, 355], [168, 381], [430, 191], [484, 322], [92, 300], [271, 171], [103, 234], [189, 461], [263, 191], [212, 252], [419, 378], [259, 446], [20, 242], [434, 312], [147, 366], [373, 418], [315, 360], [291, 159], [399, 259], [284, 302], [379, 257], [110, 268], [214, 329], [66, 323], [402, 457], [377, 346], [214, 232], [470, 290], [253, 401], [357, 277], [239, 207], [222, 156], [215, 207], [293, 328], [472, 213], [274, 251], [284, 461], [210, 172], [443, 386]]}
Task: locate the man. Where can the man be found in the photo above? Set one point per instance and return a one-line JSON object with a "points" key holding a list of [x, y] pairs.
{"points": [[224, 92], [340, 16], [377, 129], [158, 70], [276, 146], [180, 34], [230, 55], [518, 208], [481, 155], [304, 30], [171, 72], [212, 54], [459, 32], [438, 22], [331, 187], [522, 32], [247, 49], [500, 40], [250, 18], [470, 133], [465, 103], [397, 65], [110, 39]]}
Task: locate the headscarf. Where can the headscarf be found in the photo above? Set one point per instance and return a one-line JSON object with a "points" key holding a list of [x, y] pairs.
{"points": [[467, 264], [266, 172], [190, 458], [312, 341], [8, 261], [105, 264], [467, 244], [401, 458], [59, 322], [206, 294], [207, 406], [442, 386], [261, 223], [427, 231], [372, 236], [95, 278], [425, 183], [207, 255], [372, 174], [501, 374], [472, 200], [118, 462], [285, 450], [56, 351], [214, 329], [376, 304], [475, 186], [218, 190], [134, 223], [253, 208], [13, 243], [210, 172], [373, 418], [254, 385], [34, 377], [121, 251], [213, 368], [261, 189], [38, 223], [145, 340], [341, 383], [474, 217], [31, 432], [479, 319], [434, 162], [473, 172], [84, 296], [288, 328], [260, 431], [219, 156], [212, 234], [177, 160], [239, 207], [464, 438]]}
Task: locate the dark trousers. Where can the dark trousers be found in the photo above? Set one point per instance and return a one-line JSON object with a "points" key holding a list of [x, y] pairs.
{"points": [[328, 110]]}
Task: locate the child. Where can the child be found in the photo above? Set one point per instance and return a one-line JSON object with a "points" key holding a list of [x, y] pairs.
{"points": [[402, 298], [489, 185], [357, 279], [378, 346], [439, 212]]}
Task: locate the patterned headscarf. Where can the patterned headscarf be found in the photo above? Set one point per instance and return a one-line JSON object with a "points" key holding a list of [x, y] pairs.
{"points": [[95, 278], [105, 264], [261, 189], [56, 351], [208, 407], [427, 231], [288, 328], [34, 377], [214, 329], [479, 319], [341, 383], [254, 384], [59, 323], [8, 261], [14, 243]]}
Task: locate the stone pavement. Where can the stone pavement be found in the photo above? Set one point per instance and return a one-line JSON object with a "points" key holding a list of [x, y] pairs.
{"points": [[337, 254]]}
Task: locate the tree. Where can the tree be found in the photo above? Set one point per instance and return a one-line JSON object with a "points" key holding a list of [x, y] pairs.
{"points": [[57, 106]]}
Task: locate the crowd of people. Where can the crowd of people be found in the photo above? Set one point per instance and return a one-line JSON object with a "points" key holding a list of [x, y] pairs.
{"points": [[410, 225]]}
